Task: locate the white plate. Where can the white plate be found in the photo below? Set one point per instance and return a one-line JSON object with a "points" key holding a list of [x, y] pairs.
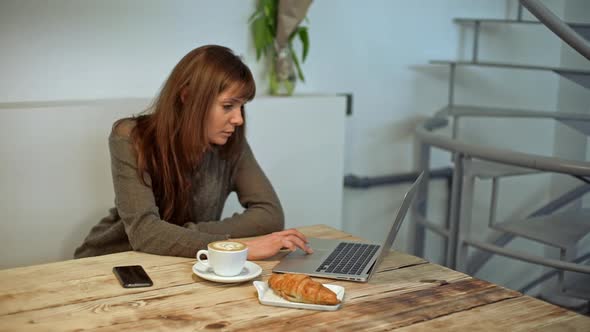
{"points": [[250, 271], [268, 297]]}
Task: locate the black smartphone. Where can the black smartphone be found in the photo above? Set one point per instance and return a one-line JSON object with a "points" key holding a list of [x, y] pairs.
{"points": [[132, 276]]}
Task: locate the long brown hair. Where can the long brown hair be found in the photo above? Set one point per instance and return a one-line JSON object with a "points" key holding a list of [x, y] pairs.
{"points": [[171, 140]]}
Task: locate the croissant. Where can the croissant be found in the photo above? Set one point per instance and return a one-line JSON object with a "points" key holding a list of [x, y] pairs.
{"points": [[301, 288]]}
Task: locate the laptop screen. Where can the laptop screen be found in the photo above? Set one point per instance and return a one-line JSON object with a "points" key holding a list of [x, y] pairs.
{"points": [[399, 218]]}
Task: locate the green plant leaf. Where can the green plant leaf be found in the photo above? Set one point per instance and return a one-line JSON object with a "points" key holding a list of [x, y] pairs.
{"points": [[296, 62], [304, 37], [261, 37], [253, 16], [270, 8], [263, 26], [267, 8], [270, 33]]}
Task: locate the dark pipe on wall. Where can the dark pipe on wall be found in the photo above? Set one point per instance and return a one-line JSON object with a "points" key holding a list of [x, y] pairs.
{"points": [[365, 182]]}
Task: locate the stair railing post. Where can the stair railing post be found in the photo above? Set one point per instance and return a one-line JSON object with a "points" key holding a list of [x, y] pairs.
{"points": [[419, 206], [456, 195], [475, 41]]}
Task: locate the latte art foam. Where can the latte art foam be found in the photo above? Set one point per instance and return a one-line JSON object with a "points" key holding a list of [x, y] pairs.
{"points": [[227, 246]]}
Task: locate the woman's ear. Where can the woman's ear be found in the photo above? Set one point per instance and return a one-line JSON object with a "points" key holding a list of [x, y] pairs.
{"points": [[184, 94]]}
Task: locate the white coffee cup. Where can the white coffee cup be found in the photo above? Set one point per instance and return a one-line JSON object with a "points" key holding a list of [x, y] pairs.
{"points": [[226, 257]]}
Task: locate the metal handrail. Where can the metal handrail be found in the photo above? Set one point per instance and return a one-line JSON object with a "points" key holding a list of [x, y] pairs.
{"points": [[528, 160], [554, 263], [555, 24], [494, 112]]}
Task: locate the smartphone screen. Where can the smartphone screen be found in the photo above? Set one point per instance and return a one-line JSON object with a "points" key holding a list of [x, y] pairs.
{"points": [[132, 276]]}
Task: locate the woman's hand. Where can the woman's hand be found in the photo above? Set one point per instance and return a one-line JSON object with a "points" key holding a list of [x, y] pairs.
{"points": [[269, 245]]}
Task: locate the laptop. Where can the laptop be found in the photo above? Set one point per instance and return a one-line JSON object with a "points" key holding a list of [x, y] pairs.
{"points": [[338, 259]]}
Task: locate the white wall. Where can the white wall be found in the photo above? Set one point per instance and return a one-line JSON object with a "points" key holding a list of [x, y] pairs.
{"points": [[68, 49]]}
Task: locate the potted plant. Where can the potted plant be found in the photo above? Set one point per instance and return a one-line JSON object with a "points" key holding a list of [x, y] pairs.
{"points": [[275, 26]]}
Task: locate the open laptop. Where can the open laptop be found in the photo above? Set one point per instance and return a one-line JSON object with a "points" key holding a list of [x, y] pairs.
{"points": [[338, 259]]}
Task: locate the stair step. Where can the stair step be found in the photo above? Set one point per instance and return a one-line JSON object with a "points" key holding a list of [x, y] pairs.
{"points": [[577, 121], [484, 169], [582, 28], [579, 76], [581, 126], [503, 112], [566, 301], [577, 285], [511, 65], [560, 230]]}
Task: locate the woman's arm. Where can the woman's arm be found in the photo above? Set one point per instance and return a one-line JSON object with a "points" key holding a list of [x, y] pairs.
{"points": [[137, 208], [263, 213]]}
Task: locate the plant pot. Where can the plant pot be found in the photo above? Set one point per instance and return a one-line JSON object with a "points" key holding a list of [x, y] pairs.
{"points": [[282, 74]]}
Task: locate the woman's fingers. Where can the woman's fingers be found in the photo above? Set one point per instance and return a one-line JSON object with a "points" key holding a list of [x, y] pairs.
{"points": [[294, 242], [289, 245], [297, 241], [294, 232], [269, 245]]}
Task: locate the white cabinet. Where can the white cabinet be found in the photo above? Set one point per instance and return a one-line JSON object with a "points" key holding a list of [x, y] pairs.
{"points": [[55, 178]]}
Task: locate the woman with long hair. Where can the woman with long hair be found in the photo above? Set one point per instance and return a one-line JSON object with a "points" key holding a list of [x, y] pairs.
{"points": [[174, 167]]}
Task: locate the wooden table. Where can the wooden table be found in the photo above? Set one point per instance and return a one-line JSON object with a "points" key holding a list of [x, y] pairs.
{"points": [[406, 294]]}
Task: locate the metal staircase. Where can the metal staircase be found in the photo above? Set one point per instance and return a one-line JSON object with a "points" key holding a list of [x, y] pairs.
{"points": [[548, 225]]}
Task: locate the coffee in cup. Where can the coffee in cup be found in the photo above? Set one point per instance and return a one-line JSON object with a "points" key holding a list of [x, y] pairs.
{"points": [[226, 257], [227, 246]]}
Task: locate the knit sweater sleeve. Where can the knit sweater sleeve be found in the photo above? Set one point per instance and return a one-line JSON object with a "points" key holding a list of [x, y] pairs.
{"points": [[262, 213], [136, 206]]}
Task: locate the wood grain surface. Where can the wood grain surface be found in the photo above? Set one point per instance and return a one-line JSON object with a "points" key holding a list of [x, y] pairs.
{"points": [[407, 293]]}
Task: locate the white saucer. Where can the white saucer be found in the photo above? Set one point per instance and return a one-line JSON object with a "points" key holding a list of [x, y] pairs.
{"points": [[250, 271]]}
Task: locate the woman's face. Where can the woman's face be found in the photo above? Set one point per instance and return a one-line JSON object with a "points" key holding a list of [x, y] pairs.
{"points": [[224, 117]]}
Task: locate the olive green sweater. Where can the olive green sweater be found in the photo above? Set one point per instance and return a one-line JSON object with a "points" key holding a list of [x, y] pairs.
{"points": [[135, 223]]}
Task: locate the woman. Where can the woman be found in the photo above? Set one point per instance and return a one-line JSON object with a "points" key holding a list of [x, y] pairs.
{"points": [[174, 168]]}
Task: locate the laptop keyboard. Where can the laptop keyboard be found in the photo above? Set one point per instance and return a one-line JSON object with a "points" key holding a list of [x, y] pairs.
{"points": [[348, 258]]}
